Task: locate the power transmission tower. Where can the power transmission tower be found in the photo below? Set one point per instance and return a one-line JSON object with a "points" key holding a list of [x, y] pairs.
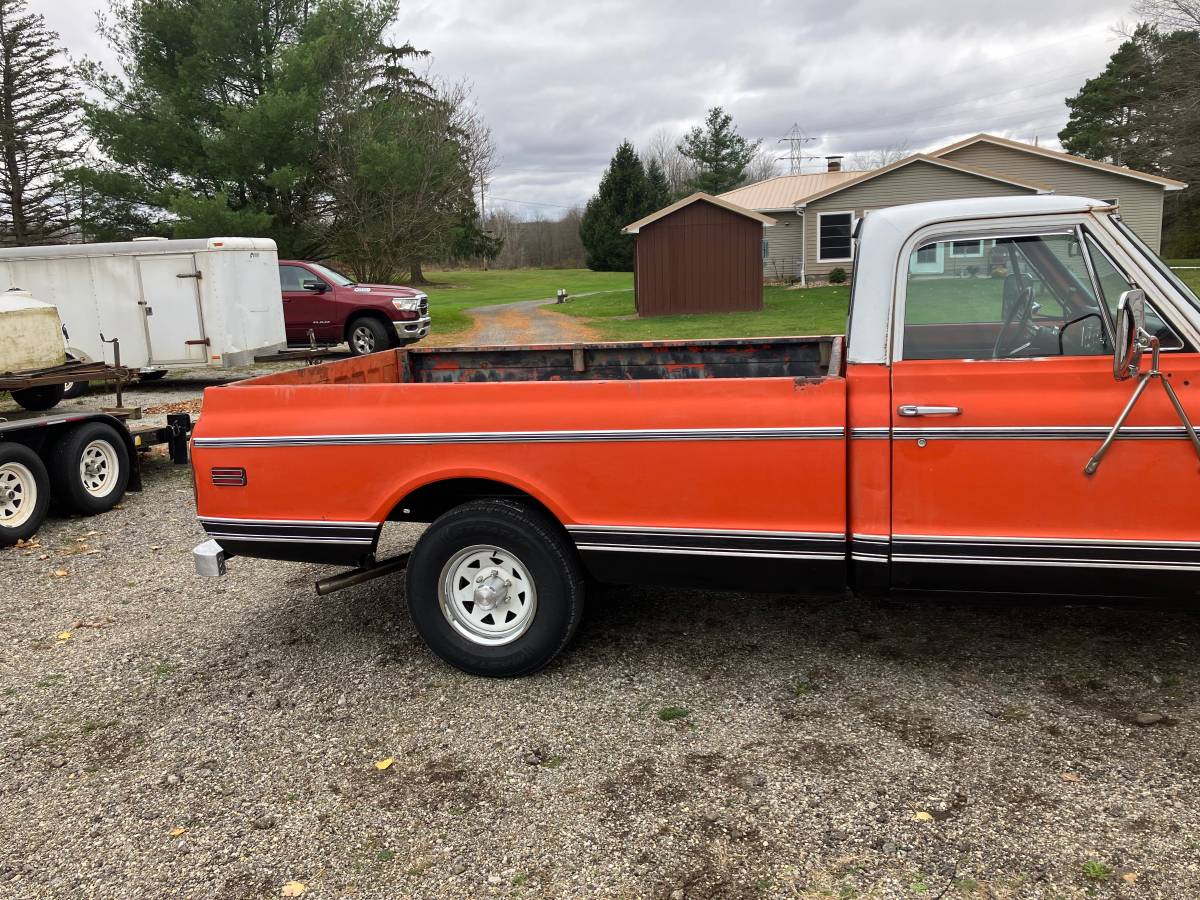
{"points": [[796, 139]]}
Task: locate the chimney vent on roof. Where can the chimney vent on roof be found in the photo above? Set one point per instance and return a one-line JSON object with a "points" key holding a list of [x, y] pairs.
{"points": [[834, 163]]}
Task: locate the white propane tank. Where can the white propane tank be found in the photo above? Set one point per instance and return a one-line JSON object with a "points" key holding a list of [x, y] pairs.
{"points": [[30, 333]]}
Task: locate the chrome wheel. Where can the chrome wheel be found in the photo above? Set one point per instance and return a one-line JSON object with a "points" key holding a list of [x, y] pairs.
{"points": [[487, 595], [362, 339], [98, 467], [18, 494]]}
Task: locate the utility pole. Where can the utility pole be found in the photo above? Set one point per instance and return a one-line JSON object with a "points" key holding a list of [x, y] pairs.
{"points": [[796, 139]]}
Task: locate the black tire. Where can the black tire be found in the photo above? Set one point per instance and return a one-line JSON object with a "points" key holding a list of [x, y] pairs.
{"points": [[20, 471], [74, 389], [152, 376], [551, 567], [39, 398], [110, 476], [366, 335]]}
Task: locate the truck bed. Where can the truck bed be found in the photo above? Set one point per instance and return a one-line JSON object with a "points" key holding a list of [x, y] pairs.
{"points": [[788, 357]]}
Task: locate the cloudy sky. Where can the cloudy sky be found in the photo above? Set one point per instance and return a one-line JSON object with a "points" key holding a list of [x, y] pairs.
{"points": [[562, 82]]}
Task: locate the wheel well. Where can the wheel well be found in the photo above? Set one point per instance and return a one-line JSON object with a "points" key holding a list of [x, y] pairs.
{"points": [[427, 503], [366, 314]]}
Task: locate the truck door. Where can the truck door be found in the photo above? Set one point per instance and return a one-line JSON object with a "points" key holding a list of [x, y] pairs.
{"points": [[1002, 389], [171, 304], [305, 308]]}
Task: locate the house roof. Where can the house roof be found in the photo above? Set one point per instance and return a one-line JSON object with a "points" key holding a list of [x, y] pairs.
{"points": [[1169, 184], [783, 192], [637, 226], [931, 160]]}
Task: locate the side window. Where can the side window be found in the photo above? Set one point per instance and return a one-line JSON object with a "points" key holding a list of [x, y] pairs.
{"points": [[1004, 297], [835, 232], [1113, 284], [291, 278]]}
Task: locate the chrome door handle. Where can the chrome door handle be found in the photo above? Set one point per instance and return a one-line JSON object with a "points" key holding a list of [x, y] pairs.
{"points": [[911, 410]]}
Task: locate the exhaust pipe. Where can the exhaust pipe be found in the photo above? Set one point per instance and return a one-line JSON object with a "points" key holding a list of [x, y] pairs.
{"points": [[333, 583]]}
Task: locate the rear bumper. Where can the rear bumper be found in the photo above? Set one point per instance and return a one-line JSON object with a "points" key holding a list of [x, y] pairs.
{"points": [[209, 558], [412, 330]]}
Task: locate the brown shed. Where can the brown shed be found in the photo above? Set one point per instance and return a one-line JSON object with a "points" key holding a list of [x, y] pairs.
{"points": [[700, 255]]}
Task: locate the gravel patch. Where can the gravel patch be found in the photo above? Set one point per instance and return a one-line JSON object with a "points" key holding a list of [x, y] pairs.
{"points": [[163, 735]]}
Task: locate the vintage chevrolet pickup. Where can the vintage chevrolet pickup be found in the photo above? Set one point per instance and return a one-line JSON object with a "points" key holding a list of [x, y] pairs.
{"points": [[962, 442]]}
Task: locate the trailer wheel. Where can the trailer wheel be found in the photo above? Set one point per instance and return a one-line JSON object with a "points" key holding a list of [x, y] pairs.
{"points": [[495, 588], [367, 336], [24, 493], [89, 468], [74, 389], [152, 376], [39, 398]]}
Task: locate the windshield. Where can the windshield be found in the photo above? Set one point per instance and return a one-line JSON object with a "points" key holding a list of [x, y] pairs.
{"points": [[1165, 270], [336, 277]]}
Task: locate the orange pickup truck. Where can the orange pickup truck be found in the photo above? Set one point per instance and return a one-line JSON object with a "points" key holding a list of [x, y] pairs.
{"points": [[989, 424]]}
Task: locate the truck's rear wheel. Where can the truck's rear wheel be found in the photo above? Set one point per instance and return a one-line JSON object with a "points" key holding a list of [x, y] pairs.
{"points": [[368, 336], [24, 493], [495, 589], [39, 398], [89, 467]]}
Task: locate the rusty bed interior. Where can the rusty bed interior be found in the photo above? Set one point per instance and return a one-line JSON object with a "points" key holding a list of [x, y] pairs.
{"points": [[788, 357]]}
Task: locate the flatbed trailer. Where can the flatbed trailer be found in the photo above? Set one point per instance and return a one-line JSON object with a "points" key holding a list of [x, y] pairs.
{"points": [[85, 460], [41, 389]]}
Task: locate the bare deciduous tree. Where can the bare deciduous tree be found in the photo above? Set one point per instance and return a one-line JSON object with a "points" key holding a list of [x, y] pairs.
{"points": [[663, 148], [877, 159]]}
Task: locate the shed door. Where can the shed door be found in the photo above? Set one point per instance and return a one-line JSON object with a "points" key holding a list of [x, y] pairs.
{"points": [[171, 303]]}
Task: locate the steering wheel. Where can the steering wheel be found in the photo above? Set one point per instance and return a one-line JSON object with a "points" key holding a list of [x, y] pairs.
{"points": [[1018, 321]]}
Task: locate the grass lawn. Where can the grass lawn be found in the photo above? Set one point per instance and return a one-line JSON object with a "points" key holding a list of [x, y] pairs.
{"points": [[785, 312], [1191, 277], [453, 291]]}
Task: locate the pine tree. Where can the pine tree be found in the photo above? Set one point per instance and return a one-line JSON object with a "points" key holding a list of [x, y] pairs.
{"points": [[1115, 116], [623, 197], [720, 155], [38, 128], [658, 188]]}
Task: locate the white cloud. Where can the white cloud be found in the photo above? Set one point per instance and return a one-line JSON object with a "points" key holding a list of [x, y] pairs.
{"points": [[563, 83]]}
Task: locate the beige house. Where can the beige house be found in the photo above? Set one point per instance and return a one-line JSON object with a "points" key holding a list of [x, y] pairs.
{"points": [[815, 214]]}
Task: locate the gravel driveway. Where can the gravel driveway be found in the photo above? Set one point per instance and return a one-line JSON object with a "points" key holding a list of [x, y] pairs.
{"points": [[167, 736]]}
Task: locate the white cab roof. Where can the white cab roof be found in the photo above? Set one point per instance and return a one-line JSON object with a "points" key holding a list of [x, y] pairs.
{"points": [[885, 232], [139, 248]]}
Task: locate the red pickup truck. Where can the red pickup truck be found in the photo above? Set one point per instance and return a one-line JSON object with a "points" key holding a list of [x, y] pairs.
{"points": [[993, 433], [323, 307]]}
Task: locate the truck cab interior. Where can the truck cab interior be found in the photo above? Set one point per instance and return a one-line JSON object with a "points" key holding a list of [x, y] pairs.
{"points": [[1015, 297]]}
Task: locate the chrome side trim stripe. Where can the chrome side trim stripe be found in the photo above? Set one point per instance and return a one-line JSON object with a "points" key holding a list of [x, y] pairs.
{"points": [[530, 437], [870, 434], [701, 551], [291, 531], [1085, 542], [1041, 433], [740, 533], [1042, 561]]}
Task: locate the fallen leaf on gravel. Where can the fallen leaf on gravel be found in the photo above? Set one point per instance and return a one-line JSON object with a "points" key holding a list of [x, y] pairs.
{"points": [[293, 889], [923, 816], [64, 635], [118, 506], [176, 832], [1070, 776], [1130, 877], [384, 764], [61, 573]]}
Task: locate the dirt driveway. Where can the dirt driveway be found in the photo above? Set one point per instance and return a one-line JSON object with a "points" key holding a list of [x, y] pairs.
{"points": [[167, 736], [524, 322]]}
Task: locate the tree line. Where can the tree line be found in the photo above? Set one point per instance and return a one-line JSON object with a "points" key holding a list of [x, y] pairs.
{"points": [[291, 119], [1143, 111], [712, 157]]}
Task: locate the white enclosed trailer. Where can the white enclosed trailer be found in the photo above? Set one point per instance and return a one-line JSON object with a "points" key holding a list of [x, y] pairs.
{"points": [[172, 304]]}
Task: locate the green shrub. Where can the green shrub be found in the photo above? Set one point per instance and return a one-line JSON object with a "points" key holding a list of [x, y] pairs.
{"points": [[837, 276]]}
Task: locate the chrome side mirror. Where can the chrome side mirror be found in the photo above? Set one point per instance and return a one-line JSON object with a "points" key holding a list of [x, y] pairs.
{"points": [[1131, 325]]}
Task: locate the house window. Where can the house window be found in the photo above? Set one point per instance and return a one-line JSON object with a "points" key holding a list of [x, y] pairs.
{"points": [[834, 235], [962, 249]]}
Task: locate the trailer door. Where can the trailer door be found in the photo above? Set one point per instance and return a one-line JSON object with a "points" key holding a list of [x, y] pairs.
{"points": [[171, 304]]}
